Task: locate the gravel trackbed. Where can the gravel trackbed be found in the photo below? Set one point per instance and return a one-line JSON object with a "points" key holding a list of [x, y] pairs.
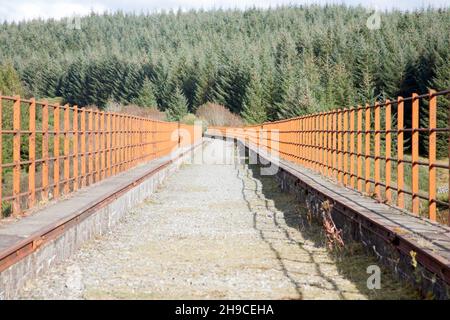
{"points": [[215, 230]]}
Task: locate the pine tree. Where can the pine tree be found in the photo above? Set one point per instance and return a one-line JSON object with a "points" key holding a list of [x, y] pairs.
{"points": [[9, 80], [115, 72], [207, 79], [178, 106], [50, 79], [284, 75], [97, 88], [309, 58], [73, 84], [132, 82], [441, 81], [146, 97], [254, 108]]}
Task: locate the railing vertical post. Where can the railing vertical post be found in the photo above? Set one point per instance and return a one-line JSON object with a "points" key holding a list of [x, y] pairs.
{"points": [[286, 139], [113, 143], [75, 148], [102, 148], [318, 143], [367, 153], [130, 142], [83, 147], [118, 143], [388, 120], [45, 155], [108, 144], [303, 137], [325, 144], [305, 140], [415, 155], [127, 142], [91, 146], [32, 154], [66, 149], [330, 143], [400, 163], [313, 142], [352, 148], [1, 155], [137, 144], [124, 140], [448, 171], [16, 157], [320, 147], [133, 142], [359, 164], [97, 148], [377, 150], [156, 139], [335, 138], [345, 151], [299, 140], [141, 144], [432, 157], [308, 141], [56, 151], [339, 152], [146, 138]]}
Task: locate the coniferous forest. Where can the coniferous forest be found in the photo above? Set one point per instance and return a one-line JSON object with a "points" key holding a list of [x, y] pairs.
{"points": [[260, 64]]}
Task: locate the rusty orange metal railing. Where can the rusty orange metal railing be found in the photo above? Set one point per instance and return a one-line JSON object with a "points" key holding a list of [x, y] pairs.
{"points": [[47, 150], [386, 150]]}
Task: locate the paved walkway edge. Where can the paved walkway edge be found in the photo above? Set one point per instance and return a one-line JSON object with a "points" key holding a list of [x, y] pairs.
{"points": [[32, 245]]}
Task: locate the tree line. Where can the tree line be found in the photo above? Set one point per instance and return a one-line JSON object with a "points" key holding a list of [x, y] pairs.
{"points": [[263, 64]]}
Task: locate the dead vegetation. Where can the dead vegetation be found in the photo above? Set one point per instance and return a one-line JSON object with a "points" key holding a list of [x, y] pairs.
{"points": [[217, 115], [131, 109]]}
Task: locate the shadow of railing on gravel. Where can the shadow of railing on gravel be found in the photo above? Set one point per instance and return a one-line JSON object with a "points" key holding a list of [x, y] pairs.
{"points": [[351, 263]]}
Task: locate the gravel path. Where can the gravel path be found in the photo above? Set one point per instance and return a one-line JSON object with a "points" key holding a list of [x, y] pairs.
{"points": [[213, 231]]}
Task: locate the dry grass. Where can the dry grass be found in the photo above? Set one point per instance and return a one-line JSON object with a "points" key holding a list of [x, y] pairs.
{"points": [[151, 113], [218, 115]]}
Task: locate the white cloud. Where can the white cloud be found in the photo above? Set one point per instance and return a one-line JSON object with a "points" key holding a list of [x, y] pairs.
{"points": [[28, 9]]}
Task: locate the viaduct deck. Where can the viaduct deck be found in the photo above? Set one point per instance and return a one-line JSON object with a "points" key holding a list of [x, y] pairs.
{"points": [[215, 230]]}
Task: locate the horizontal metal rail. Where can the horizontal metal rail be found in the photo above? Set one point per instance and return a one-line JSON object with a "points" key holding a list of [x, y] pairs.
{"points": [[380, 149], [33, 242], [48, 150]]}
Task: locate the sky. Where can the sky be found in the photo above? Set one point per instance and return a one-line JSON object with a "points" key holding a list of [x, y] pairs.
{"points": [[18, 10]]}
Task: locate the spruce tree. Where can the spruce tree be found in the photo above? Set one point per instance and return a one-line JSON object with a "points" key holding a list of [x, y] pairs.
{"points": [[73, 84], [9, 80], [254, 108], [146, 97], [441, 81], [178, 106], [284, 77]]}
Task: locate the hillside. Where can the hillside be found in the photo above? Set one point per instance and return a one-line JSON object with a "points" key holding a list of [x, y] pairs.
{"points": [[262, 64]]}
